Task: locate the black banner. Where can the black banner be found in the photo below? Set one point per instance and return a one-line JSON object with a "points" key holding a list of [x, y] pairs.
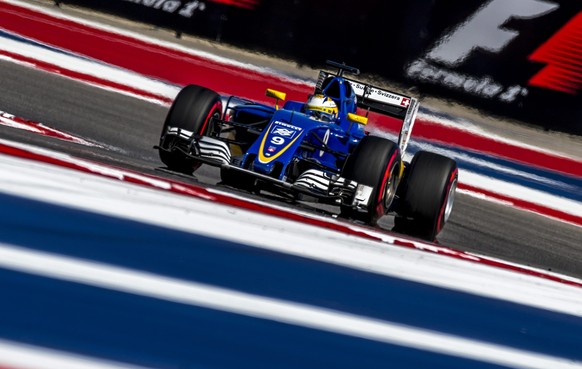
{"points": [[518, 58]]}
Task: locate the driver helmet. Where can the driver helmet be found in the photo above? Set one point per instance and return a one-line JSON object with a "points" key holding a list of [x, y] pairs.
{"points": [[321, 107]]}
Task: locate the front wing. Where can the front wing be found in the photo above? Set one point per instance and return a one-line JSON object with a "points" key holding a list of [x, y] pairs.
{"points": [[316, 183]]}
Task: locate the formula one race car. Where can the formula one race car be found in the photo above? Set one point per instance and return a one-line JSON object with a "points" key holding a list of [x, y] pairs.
{"points": [[316, 150]]}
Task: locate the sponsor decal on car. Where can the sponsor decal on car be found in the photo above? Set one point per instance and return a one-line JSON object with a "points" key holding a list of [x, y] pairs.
{"points": [[376, 94], [325, 141], [285, 132], [279, 137]]}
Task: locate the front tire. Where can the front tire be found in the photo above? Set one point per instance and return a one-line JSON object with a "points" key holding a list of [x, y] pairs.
{"points": [[426, 195], [375, 162], [190, 112]]}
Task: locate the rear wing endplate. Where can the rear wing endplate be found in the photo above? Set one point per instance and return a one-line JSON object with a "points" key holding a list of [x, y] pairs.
{"points": [[385, 102]]}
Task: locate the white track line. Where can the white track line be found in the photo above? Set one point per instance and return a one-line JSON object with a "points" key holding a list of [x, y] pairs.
{"points": [[196, 294], [106, 196]]}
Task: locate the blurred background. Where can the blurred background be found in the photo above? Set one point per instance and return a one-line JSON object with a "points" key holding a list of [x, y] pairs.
{"points": [[519, 59]]}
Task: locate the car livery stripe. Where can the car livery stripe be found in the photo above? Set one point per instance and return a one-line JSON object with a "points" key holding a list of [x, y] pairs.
{"points": [[267, 159]]}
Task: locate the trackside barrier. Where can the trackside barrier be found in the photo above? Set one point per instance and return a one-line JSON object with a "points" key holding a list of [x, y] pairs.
{"points": [[517, 58]]}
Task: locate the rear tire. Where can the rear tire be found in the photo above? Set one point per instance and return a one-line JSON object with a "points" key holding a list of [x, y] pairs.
{"points": [[375, 162], [426, 195], [191, 111]]}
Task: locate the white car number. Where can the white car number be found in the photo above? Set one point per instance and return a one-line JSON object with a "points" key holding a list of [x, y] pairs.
{"points": [[277, 140]]}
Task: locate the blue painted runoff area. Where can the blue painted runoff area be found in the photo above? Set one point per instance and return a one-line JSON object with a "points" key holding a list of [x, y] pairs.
{"points": [[146, 331]]}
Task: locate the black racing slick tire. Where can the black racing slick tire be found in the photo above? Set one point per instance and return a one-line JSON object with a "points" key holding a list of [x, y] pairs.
{"points": [[190, 113], [375, 162], [426, 195]]}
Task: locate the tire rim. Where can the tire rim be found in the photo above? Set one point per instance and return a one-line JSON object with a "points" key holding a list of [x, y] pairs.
{"points": [[390, 189], [450, 200]]}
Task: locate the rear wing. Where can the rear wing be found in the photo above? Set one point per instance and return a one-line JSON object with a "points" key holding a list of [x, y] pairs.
{"points": [[382, 101]]}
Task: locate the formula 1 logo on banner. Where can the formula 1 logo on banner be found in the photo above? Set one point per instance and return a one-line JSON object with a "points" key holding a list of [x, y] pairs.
{"points": [[248, 4], [562, 54], [486, 30]]}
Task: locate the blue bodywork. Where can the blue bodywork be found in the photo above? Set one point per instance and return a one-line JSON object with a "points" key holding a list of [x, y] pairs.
{"points": [[292, 136]]}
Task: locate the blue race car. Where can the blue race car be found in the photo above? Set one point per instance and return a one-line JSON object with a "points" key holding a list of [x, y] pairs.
{"points": [[315, 150]]}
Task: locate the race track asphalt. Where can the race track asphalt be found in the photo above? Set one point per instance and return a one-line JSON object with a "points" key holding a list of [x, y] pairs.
{"points": [[127, 129]]}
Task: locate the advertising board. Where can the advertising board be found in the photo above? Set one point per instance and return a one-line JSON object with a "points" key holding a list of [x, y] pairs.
{"points": [[516, 58]]}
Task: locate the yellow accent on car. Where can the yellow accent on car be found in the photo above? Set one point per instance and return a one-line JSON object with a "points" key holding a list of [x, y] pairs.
{"points": [[358, 118], [276, 95], [402, 167], [263, 159]]}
